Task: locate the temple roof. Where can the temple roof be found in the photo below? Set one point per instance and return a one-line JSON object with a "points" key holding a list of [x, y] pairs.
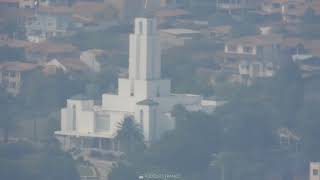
{"points": [[148, 102]]}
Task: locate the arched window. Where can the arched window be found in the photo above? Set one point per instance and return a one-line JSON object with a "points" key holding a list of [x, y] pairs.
{"points": [[140, 27], [141, 119], [158, 91], [74, 117]]}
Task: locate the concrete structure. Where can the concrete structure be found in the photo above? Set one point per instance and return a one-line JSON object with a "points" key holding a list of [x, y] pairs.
{"points": [[66, 66], [314, 173], [89, 58], [257, 69], [144, 95], [12, 75], [48, 22], [261, 47], [176, 37], [233, 5]]}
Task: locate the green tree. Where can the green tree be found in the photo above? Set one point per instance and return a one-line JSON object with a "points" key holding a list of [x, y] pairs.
{"points": [[130, 137], [121, 171], [8, 107]]}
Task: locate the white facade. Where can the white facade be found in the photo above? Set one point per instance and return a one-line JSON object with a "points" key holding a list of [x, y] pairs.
{"points": [[314, 173], [144, 95], [89, 58], [256, 69]]}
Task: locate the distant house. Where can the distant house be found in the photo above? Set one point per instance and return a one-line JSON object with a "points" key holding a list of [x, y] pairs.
{"points": [[90, 59], [13, 74], [70, 66], [29, 3], [314, 173], [168, 16], [290, 11], [252, 70], [260, 47], [176, 37], [220, 32], [235, 5], [48, 22]]}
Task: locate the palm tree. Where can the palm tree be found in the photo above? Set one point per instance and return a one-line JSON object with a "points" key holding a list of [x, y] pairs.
{"points": [[130, 136]]}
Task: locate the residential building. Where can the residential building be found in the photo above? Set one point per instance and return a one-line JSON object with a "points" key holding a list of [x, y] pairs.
{"points": [[70, 66], [48, 22], [259, 47], [29, 3], [12, 75], [220, 32], [257, 69], [176, 37], [144, 95], [235, 5], [89, 58], [170, 16]]}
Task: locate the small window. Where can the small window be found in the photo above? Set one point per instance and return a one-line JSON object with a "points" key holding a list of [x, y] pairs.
{"points": [[232, 48], [141, 119], [12, 74], [315, 172], [158, 92], [248, 49], [140, 27]]}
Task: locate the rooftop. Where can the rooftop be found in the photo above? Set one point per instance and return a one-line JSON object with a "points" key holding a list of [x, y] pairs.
{"points": [[148, 102], [50, 47], [257, 40], [17, 66], [171, 13], [179, 31], [55, 9]]}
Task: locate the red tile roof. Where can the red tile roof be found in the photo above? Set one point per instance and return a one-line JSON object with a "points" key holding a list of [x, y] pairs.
{"points": [[17, 66]]}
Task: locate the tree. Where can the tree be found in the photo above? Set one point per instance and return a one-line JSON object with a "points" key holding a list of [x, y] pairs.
{"points": [[7, 121], [184, 152], [130, 137], [288, 92], [121, 171]]}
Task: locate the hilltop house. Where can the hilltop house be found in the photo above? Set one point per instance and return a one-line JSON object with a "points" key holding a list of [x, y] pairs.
{"points": [[48, 22], [12, 75]]}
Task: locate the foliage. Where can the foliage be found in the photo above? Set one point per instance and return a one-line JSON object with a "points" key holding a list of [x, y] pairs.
{"points": [[96, 40], [8, 112], [44, 94], [310, 26], [24, 161], [121, 171], [130, 137], [11, 54]]}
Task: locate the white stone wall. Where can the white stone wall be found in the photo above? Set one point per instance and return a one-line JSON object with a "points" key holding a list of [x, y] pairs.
{"points": [[314, 171]]}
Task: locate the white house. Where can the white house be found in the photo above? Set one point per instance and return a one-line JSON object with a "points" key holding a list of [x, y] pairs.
{"points": [[176, 37], [144, 95], [314, 173], [89, 57]]}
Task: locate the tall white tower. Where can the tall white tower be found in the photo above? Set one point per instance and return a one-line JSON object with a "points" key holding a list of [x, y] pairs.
{"points": [[144, 55], [144, 80]]}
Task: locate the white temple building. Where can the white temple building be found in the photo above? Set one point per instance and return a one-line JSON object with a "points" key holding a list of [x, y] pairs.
{"points": [[144, 95]]}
